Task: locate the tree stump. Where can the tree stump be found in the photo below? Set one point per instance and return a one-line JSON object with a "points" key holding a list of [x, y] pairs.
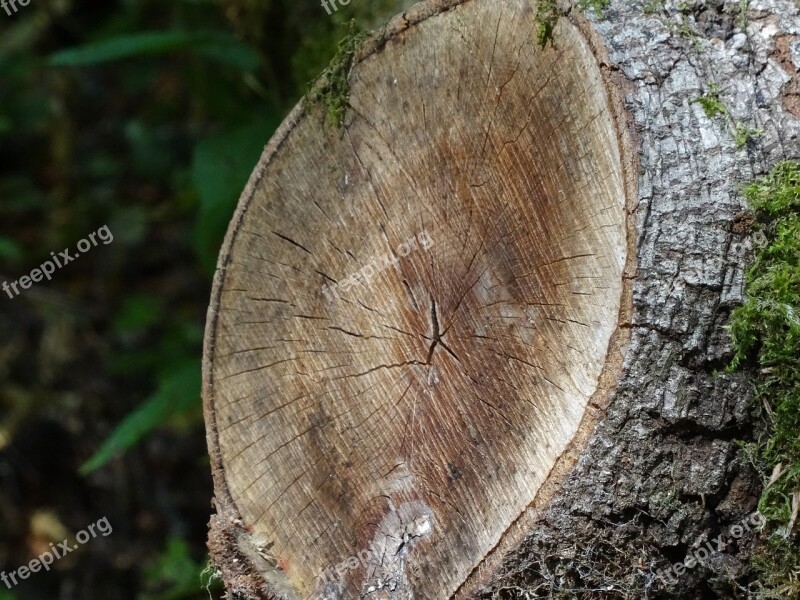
{"points": [[466, 342]]}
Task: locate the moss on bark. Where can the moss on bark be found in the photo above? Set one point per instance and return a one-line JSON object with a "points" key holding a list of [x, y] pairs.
{"points": [[766, 334]]}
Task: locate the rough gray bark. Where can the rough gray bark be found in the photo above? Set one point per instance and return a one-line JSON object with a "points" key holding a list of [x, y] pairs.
{"points": [[662, 474]]}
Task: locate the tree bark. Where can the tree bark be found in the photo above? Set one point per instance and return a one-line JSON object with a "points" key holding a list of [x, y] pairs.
{"points": [[521, 398]]}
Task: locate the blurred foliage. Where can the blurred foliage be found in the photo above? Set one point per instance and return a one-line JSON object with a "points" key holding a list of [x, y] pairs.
{"points": [[220, 165], [225, 49], [177, 574], [178, 390], [147, 116]]}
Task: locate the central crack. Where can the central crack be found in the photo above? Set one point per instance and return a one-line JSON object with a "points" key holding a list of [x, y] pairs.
{"points": [[437, 335]]}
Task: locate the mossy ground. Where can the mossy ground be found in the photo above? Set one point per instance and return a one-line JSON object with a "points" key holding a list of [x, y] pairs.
{"points": [[766, 335]]}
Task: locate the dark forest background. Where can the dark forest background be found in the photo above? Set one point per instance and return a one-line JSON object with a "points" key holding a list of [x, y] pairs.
{"points": [[146, 116]]}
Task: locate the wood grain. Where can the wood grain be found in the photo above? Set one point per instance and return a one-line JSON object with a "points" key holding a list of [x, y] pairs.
{"points": [[411, 314]]}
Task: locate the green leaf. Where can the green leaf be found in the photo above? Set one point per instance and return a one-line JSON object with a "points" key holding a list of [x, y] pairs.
{"points": [[177, 391], [238, 55], [223, 48], [220, 169], [138, 313]]}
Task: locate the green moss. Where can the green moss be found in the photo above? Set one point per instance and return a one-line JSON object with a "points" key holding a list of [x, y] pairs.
{"points": [[780, 571], [778, 193], [741, 19], [651, 7], [333, 90], [743, 134], [546, 16], [597, 5], [766, 337], [714, 106], [711, 103]]}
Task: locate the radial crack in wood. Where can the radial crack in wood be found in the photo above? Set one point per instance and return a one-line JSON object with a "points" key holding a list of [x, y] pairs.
{"points": [[411, 314]]}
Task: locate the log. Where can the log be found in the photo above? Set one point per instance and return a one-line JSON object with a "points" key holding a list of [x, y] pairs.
{"points": [[467, 342]]}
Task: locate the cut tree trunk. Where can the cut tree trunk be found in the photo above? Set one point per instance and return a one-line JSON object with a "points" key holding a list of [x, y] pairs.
{"points": [[466, 345]]}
